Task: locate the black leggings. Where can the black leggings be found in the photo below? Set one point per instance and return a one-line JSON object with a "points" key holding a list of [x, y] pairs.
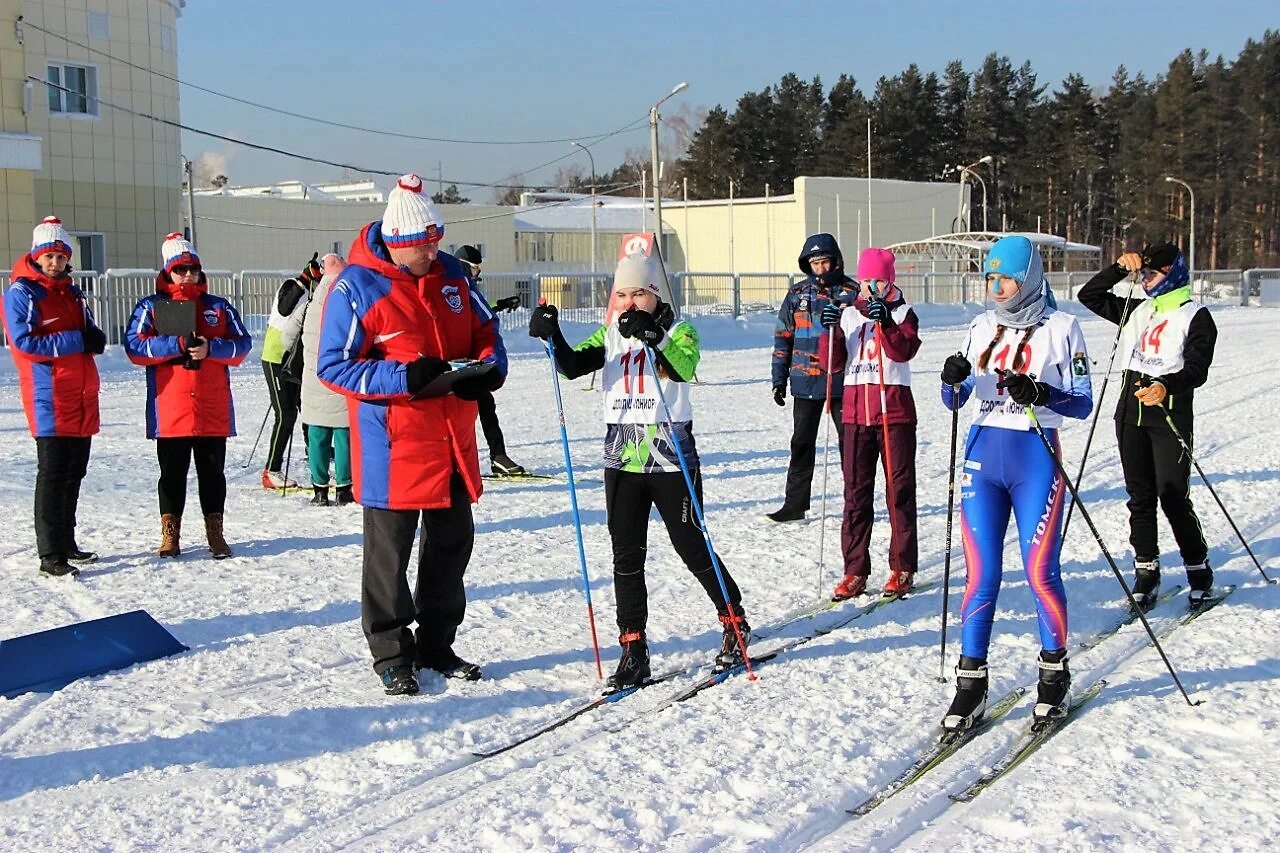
{"points": [[175, 456], [1157, 470], [286, 398], [628, 497]]}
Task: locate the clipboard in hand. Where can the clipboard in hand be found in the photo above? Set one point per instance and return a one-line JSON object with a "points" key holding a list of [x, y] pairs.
{"points": [[175, 317], [459, 370]]}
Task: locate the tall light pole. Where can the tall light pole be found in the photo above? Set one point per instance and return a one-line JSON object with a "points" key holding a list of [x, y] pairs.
{"points": [[593, 202], [1192, 242], [191, 196], [968, 170], [653, 149]]}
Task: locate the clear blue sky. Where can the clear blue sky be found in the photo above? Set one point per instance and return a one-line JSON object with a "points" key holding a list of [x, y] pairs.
{"points": [[507, 71]]}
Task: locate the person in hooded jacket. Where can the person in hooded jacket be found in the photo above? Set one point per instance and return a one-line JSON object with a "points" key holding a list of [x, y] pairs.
{"points": [[796, 364], [393, 321], [1029, 356], [641, 459], [53, 339], [1170, 340], [324, 411], [189, 410], [878, 331]]}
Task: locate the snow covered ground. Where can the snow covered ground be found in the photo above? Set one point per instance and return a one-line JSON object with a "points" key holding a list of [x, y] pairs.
{"points": [[272, 732]]}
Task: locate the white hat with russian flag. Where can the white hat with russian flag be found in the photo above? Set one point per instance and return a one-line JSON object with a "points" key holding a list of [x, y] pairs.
{"points": [[176, 250], [411, 218], [50, 236]]}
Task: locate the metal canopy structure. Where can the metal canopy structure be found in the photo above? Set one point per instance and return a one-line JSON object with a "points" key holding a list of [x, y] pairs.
{"points": [[964, 252]]}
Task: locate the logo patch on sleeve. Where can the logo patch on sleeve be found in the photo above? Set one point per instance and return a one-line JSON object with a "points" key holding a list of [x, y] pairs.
{"points": [[1080, 364]]}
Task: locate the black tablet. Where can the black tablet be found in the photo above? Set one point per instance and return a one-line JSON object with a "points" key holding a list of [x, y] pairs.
{"points": [[459, 370]]}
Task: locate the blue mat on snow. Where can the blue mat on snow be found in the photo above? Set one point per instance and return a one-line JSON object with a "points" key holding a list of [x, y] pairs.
{"points": [[52, 659]]}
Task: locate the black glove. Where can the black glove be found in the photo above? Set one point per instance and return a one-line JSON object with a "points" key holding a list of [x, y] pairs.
{"points": [[419, 372], [544, 322], [956, 369], [1022, 389], [190, 342], [312, 272], [640, 325], [511, 303], [780, 394], [475, 387], [878, 310], [831, 314], [95, 340]]}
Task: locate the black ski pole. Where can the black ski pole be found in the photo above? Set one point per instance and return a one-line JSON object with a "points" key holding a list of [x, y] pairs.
{"points": [[1084, 513], [946, 554], [1187, 450], [1097, 406], [249, 458], [288, 457]]}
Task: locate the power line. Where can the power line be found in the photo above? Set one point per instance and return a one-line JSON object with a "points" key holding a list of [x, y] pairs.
{"points": [[598, 137]]}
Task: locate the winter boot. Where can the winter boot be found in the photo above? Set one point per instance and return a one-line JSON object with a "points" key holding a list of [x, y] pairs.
{"points": [[276, 480], [448, 664], [321, 496], [850, 587], [170, 530], [504, 466], [57, 567], [971, 696], [1146, 583], [730, 649], [900, 583], [213, 532], [786, 514], [633, 666], [344, 496], [1054, 690], [399, 681], [1200, 579], [80, 556]]}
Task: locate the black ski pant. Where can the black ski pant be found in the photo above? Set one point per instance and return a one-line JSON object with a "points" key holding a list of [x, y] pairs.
{"points": [[804, 435], [489, 424], [286, 399], [175, 455], [438, 601], [61, 464], [628, 497], [1157, 470]]}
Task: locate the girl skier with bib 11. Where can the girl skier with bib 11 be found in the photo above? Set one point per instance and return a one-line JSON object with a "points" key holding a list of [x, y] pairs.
{"points": [[1028, 355], [642, 467]]}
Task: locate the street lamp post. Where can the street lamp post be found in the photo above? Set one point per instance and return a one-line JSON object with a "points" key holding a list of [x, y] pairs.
{"points": [[653, 149], [593, 202], [1191, 262], [968, 170], [188, 169]]}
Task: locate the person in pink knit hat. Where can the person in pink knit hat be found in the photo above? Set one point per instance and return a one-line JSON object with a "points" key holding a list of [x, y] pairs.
{"points": [[875, 338]]}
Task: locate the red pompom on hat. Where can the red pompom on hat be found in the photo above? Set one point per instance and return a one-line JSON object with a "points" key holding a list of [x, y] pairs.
{"points": [[50, 236], [411, 218], [177, 250]]}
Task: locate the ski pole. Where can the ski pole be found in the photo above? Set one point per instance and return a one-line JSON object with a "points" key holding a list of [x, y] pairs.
{"points": [[1084, 513], [288, 457], [826, 465], [697, 512], [573, 502], [891, 492], [1187, 450], [946, 553], [249, 458], [1097, 406]]}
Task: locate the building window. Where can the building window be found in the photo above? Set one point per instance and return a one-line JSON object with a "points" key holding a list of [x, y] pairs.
{"points": [[166, 39], [91, 251], [97, 25], [74, 89]]}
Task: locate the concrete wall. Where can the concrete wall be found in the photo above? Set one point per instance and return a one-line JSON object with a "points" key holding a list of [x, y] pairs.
{"points": [[17, 186]]}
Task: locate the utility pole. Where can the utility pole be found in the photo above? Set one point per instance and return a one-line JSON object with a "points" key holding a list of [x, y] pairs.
{"points": [[191, 199]]}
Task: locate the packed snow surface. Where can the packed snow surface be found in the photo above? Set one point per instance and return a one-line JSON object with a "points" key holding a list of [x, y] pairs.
{"points": [[273, 731]]}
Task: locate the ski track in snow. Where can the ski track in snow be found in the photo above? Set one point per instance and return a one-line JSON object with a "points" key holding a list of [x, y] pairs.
{"points": [[272, 732]]}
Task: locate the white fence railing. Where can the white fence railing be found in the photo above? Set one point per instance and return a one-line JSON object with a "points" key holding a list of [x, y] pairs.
{"points": [[583, 297]]}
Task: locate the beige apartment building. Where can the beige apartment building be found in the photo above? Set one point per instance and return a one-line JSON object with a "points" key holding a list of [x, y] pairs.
{"points": [[73, 75]]}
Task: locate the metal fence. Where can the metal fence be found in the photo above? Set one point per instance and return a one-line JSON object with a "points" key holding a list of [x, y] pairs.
{"points": [[583, 297]]}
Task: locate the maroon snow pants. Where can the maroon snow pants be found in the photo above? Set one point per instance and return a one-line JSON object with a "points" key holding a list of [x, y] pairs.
{"points": [[863, 448]]}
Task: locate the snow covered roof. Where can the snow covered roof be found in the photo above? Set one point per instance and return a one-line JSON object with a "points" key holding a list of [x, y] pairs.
{"points": [[572, 212]]}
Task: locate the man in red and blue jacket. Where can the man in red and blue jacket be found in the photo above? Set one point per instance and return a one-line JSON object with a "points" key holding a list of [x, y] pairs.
{"points": [[53, 339], [393, 321]]}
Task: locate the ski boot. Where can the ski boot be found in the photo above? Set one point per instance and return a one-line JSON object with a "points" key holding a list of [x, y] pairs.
{"points": [[343, 495], [1146, 583], [1200, 580], [399, 681], [1054, 691], [730, 650], [448, 664], [971, 696], [321, 496], [633, 667], [503, 465], [276, 481], [851, 586], [900, 583]]}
